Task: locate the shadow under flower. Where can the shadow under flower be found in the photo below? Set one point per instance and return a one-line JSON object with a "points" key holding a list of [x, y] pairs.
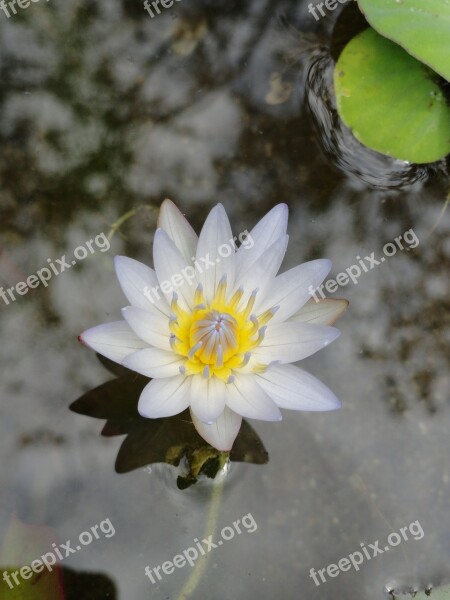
{"points": [[171, 440]]}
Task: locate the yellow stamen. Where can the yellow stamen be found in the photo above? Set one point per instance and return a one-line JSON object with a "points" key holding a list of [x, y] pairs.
{"points": [[219, 360], [198, 296], [250, 304], [255, 326], [219, 297], [176, 309], [236, 298], [266, 316], [194, 349], [245, 360], [217, 337]]}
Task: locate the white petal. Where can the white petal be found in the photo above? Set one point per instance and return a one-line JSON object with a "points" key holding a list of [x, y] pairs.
{"points": [[263, 272], [292, 388], [325, 311], [164, 397], [267, 231], [173, 271], [222, 433], [289, 342], [178, 229], [152, 328], [207, 398], [139, 284], [215, 241], [292, 289], [114, 340], [248, 399], [153, 362]]}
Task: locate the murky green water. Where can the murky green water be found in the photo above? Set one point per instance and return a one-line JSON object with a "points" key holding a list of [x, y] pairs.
{"points": [[103, 110]]}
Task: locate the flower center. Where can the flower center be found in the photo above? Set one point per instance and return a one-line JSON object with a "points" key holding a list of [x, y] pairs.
{"points": [[215, 335], [218, 337]]}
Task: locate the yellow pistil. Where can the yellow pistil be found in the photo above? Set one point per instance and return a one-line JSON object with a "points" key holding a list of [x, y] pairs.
{"points": [[217, 337]]}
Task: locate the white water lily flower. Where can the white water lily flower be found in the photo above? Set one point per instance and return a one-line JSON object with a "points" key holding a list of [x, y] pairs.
{"points": [[222, 343]]}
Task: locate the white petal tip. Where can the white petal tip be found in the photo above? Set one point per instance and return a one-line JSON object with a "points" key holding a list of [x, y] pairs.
{"points": [[124, 363], [336, 333], [330, 405], [143, 412], [121, 261], [281, 208], [167, 203], [331, 334], [220, 434]]}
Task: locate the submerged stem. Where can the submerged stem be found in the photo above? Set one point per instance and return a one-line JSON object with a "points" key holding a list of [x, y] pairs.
{"points": [[444, 208], [211, 523], [124, 218]]}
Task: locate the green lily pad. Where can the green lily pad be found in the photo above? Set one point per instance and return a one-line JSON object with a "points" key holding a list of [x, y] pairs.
{"points": [[421, 27], [390, 101]]}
